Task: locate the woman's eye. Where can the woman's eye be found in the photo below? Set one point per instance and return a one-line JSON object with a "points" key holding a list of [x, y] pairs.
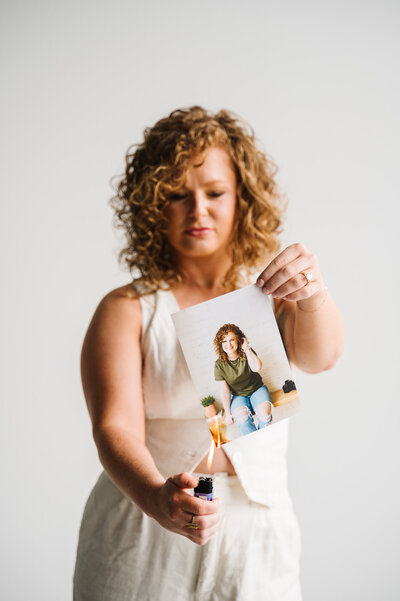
{"points": [[215, 194], [177, 197]]}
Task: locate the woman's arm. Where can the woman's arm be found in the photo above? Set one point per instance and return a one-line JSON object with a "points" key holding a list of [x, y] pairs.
{"points": [[225, 394], [111, 366], [253, 360], [310, 323]]}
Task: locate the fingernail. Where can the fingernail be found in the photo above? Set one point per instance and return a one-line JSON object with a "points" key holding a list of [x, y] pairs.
{"points": [[260, 282]]}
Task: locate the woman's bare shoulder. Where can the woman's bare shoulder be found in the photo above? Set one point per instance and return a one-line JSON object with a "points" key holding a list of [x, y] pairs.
{"points": [[117, 313], [111, 359], [125, 293], [122, 302]]}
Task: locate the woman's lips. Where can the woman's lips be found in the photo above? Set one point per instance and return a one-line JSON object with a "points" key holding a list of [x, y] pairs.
{"points": [[197, 232]]}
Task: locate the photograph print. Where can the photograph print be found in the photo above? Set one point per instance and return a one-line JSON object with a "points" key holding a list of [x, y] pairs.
{"points": [[237, 362]]}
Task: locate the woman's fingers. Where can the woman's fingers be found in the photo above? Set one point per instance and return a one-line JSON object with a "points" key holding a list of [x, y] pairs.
{"points": [[303, 293], [296, 283], [284, 276], [201, 522], [200, 537], [178, 508], [200, 528], [288, 255], [290, 273], [184, 480], [180, 502]]}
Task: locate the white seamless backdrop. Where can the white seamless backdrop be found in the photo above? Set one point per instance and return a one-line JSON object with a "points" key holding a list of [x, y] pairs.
{"points": [[319, 83]]}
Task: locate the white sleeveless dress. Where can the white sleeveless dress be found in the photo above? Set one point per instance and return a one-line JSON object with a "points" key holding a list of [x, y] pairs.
{"points": [[124, 555]]}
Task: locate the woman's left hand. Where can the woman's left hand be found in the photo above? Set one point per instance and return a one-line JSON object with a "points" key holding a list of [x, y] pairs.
{"points": [[245, 344], [285, 275]]}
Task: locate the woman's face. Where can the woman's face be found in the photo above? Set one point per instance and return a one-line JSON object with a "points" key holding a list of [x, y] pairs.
{"points": [[201, 215], [229, 343]]}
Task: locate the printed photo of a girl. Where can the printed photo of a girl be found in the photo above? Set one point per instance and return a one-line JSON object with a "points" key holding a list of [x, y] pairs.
{"points": [[242, 391]]}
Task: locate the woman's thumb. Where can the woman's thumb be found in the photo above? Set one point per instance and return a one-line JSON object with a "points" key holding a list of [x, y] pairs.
{"points": [[185, 480]]}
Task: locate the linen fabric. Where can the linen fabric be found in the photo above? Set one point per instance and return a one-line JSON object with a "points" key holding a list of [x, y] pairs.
{"points": [[125, 555]]}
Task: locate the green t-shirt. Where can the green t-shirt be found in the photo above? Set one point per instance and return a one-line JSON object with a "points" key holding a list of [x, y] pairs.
{"points": [[238, 375]]}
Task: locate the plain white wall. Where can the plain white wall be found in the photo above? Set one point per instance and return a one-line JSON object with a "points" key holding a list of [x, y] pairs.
{"points": [[319, 83]]}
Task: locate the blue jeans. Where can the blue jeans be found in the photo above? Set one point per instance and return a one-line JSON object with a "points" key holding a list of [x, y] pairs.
{"points": [[244, 419]]}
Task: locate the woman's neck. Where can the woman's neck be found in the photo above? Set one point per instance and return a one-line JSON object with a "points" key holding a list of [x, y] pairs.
{"points": [[201, 279], [204, 273]]}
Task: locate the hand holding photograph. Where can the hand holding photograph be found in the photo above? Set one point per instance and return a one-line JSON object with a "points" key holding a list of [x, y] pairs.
{"points": [[237, 362]]}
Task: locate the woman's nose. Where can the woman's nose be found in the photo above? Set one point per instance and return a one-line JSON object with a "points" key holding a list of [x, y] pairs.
{"points": [[198, 205]]}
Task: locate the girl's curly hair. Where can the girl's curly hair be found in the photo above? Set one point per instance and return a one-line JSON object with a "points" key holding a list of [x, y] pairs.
{"points": [[157, 167], [220, 335]]}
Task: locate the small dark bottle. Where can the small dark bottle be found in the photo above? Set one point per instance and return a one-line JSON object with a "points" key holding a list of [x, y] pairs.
{"points": [[205, 489]]}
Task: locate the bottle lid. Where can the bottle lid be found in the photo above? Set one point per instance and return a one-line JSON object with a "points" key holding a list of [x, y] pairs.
{"points": [[205, 485]]}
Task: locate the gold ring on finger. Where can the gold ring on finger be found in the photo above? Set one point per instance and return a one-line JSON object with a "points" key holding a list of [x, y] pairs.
{"points": [[192, 523], [308, 275]]}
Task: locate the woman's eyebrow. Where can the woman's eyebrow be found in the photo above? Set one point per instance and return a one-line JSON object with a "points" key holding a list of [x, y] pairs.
{"points": [[205, 184], [209, 183], [214, 181]]}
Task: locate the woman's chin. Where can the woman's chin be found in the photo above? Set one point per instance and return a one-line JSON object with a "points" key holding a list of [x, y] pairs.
{"points": [[199, 249]]}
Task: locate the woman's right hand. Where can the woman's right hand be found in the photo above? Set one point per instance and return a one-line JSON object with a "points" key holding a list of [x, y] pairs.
{"points": [[245, 344], [228, 418], [175, 508]]}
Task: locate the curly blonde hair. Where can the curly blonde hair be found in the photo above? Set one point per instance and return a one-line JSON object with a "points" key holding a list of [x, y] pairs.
{"points": [[157, 167], [220, 335]]}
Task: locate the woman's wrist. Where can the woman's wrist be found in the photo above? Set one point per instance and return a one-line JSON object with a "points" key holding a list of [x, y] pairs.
{"points": [[152, 506], [314, 302], [130, 465]]}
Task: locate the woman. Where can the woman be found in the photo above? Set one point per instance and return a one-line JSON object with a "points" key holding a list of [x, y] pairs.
{"points": [[200, 210], [242, 390]]}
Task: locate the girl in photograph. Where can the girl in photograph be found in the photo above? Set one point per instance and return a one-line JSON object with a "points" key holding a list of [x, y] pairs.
{"points": [[242, 390], [201, 213]]}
